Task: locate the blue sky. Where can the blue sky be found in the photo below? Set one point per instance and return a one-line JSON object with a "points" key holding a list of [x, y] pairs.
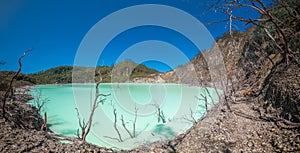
{"points": [[55, 29]]}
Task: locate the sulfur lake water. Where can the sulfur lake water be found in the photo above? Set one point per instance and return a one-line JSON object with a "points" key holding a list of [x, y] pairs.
{"points": [[178, 105]]}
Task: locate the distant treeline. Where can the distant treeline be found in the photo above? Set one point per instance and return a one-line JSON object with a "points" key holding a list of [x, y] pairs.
{"points": [[63, 74]]}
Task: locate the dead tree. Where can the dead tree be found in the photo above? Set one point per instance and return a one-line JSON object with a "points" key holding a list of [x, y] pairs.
{"points": [[38, 101], [124, 126], [44, 126], [83, 127], [115, 124], [86, 126], [227, 91], [134, 121], [191, 117], [160, 114], [133, 134], [10, 87], [204, 98]]}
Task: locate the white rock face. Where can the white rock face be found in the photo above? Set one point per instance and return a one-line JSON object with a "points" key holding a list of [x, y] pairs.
{"points": [[155, 78]]}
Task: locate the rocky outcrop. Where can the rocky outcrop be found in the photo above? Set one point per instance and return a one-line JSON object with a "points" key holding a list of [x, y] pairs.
{"points": [[153, 78]]}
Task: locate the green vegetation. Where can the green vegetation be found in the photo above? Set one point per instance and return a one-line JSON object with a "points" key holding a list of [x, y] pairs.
{"points": [[21, 80], [63, 74]]}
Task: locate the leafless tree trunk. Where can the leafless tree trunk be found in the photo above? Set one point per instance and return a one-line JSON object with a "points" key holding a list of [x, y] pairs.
{"points": [[83, 127], [38, 101], [204, 98], [160, 114], [86, 126], [134, 121], [192, 118], [115, 125], [10, 88], [44, 126], [226, 89], [133, 134], [124, 126]]}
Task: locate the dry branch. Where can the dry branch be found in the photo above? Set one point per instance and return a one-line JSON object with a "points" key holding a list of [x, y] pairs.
{"points": [[10, 87], [44, 126], [134, 121], [205, 101], [86, 126], [192, 118], [160, 113], [38, 101], [115, 125], [124, 126]]}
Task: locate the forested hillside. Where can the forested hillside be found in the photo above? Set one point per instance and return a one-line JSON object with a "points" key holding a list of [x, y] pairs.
{"points": [[21, 80], [63, 74]]}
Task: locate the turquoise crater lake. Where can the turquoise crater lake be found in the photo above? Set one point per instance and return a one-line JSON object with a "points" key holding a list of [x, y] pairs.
{"points": [[177, 102]]}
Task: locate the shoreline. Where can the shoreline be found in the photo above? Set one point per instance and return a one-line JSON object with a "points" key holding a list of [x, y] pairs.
{"points": [[141, 123], [207, 134], [215, 132]]}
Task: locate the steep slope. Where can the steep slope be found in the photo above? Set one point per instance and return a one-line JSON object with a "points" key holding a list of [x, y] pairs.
{"points": [[197, 70]]}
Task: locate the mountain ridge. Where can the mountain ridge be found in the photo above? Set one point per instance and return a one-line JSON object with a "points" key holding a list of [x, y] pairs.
{"points": [[63, 74]]}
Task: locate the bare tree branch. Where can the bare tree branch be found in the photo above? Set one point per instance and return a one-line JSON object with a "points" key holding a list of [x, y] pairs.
{"points": [[10, 88], [192, 118], [86, 126], [44, 126], [134, 121], [124, 126], [112, 138], [160, 114], [38, 101], [115, 124]]}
